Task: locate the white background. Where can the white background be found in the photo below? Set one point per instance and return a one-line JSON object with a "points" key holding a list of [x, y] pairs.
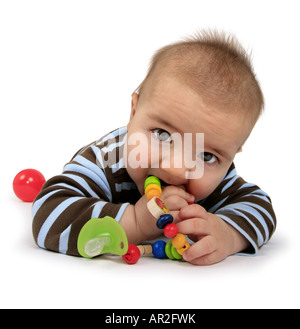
{"points": [[67, 70]]}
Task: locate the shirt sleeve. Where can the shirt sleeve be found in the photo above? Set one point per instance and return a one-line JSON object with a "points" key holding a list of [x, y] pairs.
{"points": [[69, 200], [244, 206]]}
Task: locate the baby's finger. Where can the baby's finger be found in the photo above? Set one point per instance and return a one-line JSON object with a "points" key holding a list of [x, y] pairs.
{"points": [[203, 247], [194, 226], [192, 211], [175, 202], [179, 191]]}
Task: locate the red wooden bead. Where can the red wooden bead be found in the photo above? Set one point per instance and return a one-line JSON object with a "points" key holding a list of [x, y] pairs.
{"points": [[133, 254], [170, 230]]}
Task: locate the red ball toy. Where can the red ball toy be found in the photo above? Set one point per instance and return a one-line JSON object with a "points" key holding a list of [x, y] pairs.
{"points": [[170, 230], [133, 254], [27, 184]]}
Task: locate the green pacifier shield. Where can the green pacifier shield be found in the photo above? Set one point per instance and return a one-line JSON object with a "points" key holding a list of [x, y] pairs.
{"points": [[100, 236]]}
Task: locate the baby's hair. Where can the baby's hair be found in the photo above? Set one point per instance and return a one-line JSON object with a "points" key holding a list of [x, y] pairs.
{"points": [[213, 64]]}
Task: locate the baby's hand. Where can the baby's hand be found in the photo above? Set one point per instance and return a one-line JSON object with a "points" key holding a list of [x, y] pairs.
{"points": [[175, 197], [214, 238]]}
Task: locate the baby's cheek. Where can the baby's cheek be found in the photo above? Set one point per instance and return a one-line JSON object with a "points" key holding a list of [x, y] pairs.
{"points": [[203, 187]]}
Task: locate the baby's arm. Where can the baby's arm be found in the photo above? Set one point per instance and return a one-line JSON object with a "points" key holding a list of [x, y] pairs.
{"points": [[239, 219]]}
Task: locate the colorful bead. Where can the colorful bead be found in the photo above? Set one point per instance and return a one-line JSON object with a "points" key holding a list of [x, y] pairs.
{"points": [[158, 249], [168, 250], [157, 207], [152, 180], [175, 253], [179, 241], [183, 249], [152, 190], [164, 220], [170, 230], [145, 249], [133, 254], [171, 252]]}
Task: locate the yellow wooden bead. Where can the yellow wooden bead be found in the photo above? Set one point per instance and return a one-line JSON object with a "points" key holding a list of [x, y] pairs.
{"points": [[152, 190], [183, 249], [179, 241]]}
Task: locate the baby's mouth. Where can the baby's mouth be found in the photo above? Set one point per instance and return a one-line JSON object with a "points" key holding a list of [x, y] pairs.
{"points": [[163, 183]]}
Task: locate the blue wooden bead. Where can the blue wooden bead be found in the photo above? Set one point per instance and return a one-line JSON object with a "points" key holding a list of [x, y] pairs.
{"points": [[158, 249], [164, 220]]}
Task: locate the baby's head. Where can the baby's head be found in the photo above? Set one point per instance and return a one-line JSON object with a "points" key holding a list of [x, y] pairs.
{"points": [[202, 85]]}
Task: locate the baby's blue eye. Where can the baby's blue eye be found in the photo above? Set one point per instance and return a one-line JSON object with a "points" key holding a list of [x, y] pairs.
{"points": [[208, 157], [162, 135]]}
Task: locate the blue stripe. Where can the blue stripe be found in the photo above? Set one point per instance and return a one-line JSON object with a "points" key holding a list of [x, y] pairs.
{"points": [[230, 210], [262, 210], [93, 172], [64, 240], [98, 156], [121, 211], [112, 146], [229, 184], [216, 206], [112, 135], [246, 185], [38, 203], [69, 187], [98, 208], [82, 183], [52, 218], [254, 213], [245, 234]]}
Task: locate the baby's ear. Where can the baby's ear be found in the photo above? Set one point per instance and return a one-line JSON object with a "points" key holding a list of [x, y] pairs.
{"points": [[240, 150], [134, 103]]}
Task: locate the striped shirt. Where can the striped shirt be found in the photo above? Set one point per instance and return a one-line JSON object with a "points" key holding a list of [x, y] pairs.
{"points": [[95, 183]]}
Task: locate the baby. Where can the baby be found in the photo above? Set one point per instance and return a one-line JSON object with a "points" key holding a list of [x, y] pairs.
{"points": [[204, 86]]}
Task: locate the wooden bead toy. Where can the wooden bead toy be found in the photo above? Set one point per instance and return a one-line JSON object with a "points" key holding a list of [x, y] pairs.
{"points": [[145, 249], [152, 180], [170, 230], [157, 207], [164, 220], [158, 249], [183, 249], [179, 241], [171, 252], [178, 245], [133, 254], [152, 190]]}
